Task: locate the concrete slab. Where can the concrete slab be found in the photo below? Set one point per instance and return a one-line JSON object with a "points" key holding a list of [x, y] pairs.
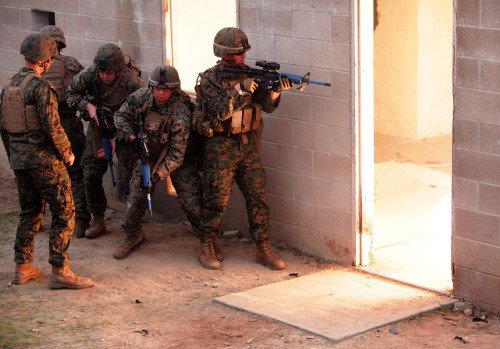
{"points": [[336, 304]]}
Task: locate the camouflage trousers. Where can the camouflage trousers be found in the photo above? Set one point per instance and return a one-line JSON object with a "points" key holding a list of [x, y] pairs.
{"points": [[52, 185], [73, 127], [226, 160], [187, 183], [94, 169]]}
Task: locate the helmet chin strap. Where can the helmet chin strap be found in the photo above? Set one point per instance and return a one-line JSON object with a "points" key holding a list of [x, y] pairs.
{"points": [[42, 67], [45, 66]]}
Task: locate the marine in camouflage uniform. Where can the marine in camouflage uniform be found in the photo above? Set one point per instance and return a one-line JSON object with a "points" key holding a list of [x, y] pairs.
{"points": [[231, 153], [163, 111], [115, 81], [39, 150], [60, 75]]}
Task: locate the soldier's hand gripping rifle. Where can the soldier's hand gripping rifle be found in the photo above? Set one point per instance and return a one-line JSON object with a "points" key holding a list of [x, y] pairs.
{"points": [[145, 168], [104, 131], [269, 75]]}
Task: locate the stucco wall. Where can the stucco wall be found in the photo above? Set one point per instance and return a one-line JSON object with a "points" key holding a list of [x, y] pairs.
{"points": [[307, 142], [476, 152]]}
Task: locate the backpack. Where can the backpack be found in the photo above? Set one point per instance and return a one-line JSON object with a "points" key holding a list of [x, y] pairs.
{"points": [[131, 63], [199, 123]]}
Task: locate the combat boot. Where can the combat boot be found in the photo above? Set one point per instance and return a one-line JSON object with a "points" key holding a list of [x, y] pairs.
{"points": [[65, 278], [128, 245], [266, 256], [24, 273], [206, 256], [218, 253], [97, 227], [81, 225]]}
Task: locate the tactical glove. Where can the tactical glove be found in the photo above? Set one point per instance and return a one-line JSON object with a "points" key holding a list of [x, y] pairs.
{"points": [[285, 84], [249, 85]]}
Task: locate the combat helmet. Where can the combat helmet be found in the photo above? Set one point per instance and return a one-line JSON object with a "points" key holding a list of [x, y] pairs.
{"points": [[109, 57], [38, 47], [230, 40], [165, 76], [55, 33]]}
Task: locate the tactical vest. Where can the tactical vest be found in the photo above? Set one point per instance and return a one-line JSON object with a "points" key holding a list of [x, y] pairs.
{"points": [[113, 96], [56, 75], [241, 121], [157, 129], [16, 116]]}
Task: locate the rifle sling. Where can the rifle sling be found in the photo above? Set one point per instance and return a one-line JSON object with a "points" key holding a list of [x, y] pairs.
{"points": [[160, 158]]}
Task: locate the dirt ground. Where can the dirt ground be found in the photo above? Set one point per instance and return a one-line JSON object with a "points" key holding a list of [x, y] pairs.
{"points": [[160, 297]]}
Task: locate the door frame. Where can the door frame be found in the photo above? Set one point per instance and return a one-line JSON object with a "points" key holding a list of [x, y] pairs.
{"points": [[363, 109]]}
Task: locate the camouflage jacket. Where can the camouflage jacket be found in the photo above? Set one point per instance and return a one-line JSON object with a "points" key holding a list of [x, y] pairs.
{"points": [[220, 100], [141, 102], [67, 67], [38, 148], [79, 92]]}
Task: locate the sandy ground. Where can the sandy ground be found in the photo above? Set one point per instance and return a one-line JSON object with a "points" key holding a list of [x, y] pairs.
{"points": [[160, 297]]}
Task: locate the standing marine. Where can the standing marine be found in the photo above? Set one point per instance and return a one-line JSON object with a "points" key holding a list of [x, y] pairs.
{"points": [[233, 109], [114, 81], [39, 154], [60, 75], [160, 116]]}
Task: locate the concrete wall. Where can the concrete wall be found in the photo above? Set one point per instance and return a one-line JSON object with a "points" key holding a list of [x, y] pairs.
{"points": [[413, 51], [476, 152], [434, 68], [308, 141], [136, 26], [395, 69]]}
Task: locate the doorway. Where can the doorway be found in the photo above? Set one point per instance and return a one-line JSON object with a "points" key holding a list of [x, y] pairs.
{"points": [[413, 107]]}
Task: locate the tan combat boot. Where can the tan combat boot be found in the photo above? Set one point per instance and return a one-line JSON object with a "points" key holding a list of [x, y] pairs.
{"points": [[81, 225], [97, 227], [65, 278], [218, 253], [206, 256], [266, 256], [128, 245], [24, 273]]}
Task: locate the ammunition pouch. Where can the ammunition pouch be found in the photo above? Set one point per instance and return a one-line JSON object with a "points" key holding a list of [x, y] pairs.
{"points": [[246, 119], [157, 132]]}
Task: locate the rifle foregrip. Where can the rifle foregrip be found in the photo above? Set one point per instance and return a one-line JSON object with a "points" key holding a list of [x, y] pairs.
{"points": [[106, 145], [146, 176]]}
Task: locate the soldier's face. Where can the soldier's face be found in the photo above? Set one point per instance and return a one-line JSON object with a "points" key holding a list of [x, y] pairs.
{"points": [[239, 59], [108, 77], [235, 60], [161, 95]]}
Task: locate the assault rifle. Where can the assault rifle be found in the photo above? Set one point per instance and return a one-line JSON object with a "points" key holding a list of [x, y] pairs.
{"points": [[104, 131], [269, 75], [145, 168]]}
